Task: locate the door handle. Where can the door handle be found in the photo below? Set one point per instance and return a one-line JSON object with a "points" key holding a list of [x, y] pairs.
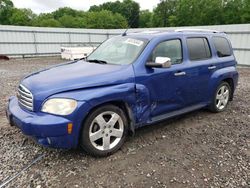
{"points": [[180, 73], [212, 67]]}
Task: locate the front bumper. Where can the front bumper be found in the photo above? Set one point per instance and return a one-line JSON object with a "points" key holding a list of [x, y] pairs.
{"points": [[46, 129]]}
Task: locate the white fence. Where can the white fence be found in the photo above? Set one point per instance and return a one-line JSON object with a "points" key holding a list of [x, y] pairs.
{"points": [[34, 41]]}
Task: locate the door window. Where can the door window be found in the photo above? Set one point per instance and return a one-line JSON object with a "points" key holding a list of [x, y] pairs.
{"points": [[170, 48], [198, 49]]}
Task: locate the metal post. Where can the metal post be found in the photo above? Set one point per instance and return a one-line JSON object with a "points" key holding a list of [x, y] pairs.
{"points": [[35, 42], [89, 39], [69, 38]]}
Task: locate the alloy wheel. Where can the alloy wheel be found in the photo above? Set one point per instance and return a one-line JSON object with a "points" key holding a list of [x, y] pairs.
{"points": [[106, 130], [222, 97]]}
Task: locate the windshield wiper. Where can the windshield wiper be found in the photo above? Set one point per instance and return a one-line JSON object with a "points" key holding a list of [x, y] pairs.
{"points": [[97, 61]]}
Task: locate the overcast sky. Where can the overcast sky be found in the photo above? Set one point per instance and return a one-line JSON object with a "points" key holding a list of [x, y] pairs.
{"points": [[39, 6]]}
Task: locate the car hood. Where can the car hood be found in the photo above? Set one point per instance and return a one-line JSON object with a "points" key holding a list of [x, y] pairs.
{"points": [[76, 75]]}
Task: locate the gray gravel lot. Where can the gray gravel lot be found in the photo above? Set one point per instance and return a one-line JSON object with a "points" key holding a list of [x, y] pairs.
{"points": [[199, 149]]}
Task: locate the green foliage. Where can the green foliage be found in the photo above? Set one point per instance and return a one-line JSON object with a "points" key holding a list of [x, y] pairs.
{"points": [[21, 17], [245, 16], [70, 18], [172, 21], [126, 13], [6, 7], [229, 16], [69, 21], [201, 12], [66, 11], [128, 8], [50, 22], [163, 11], [44, 20], [105, 20], [145, 19]]}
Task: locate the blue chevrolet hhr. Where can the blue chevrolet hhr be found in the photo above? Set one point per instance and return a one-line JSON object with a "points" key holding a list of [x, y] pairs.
{"points": [[129, 81]]}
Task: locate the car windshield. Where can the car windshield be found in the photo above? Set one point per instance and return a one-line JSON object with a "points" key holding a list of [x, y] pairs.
{"points": [[118, 50]]}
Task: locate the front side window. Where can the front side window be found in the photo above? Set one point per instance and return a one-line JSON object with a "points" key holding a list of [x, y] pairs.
{"points": [[198, 49], [222, 47], [118, 50], [171, 49]]}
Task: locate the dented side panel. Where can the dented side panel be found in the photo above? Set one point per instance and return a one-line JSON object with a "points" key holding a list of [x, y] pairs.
{"points": [[100, 95], [143, 107]]}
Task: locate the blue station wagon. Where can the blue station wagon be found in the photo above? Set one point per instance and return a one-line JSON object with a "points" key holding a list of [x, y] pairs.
{"points": [[129, 81]]}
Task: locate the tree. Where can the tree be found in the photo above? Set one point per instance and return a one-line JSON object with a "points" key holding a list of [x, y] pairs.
{"points": [[49, 23], [126, 13], [45, 20], [199, 12], [131, 13], [245, 16], [232, 11], [21, 17], [66, 11], [163, 11], [172, 21], [211, 13], [105, 20], [128, 8], [68, 21], [72, 22], [145, 19], [6, 7]]}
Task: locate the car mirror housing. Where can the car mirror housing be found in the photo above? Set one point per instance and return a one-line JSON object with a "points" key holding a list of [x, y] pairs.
{"points": [[160, 62]]}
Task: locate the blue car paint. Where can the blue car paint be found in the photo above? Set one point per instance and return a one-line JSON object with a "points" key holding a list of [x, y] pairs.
{"points": [[149, 94], [73, 76]]}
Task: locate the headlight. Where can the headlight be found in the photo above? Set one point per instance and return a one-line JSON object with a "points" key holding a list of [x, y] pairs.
{"points": [[59, 106]]}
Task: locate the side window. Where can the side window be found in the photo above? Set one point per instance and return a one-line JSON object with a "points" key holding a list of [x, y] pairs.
{"points": [[198, 49], [222, 47], [170, 48]]}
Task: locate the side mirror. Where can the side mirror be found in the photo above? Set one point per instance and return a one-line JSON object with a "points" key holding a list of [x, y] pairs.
{"points": [[160, 62]]}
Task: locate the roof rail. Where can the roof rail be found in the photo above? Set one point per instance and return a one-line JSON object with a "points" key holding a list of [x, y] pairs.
{"points": [[197, 30]]}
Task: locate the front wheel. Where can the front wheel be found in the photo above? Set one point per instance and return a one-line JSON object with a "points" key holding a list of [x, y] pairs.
{"points": [[104, 131], [221, 97]]}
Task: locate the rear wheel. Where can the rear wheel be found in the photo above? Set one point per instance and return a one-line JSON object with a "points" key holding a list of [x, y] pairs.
{"points": [[104, 131], [221, 97]]}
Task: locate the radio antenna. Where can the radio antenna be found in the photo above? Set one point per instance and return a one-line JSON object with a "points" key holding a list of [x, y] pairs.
{"points": [[125, 32]]}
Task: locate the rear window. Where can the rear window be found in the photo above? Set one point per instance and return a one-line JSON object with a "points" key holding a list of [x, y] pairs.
{"points": [[222, 46], [198, 48]]}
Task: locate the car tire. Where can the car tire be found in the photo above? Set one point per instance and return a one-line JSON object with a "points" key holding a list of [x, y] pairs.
{"points": [[221, 97], [104, 131]]}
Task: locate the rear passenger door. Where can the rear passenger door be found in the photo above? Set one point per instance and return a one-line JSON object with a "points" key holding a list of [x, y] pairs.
{"points": [[200, 65]]}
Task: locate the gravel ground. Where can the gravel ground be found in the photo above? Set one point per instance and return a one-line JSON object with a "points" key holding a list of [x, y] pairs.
{"points": [[199, 149]]}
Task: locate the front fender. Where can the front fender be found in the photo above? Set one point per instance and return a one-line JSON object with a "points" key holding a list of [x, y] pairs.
{"points": [[218, 76], [92, 97], [99, 95]]}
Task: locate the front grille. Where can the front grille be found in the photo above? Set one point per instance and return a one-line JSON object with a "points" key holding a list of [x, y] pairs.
{"points": [[25, 97]]}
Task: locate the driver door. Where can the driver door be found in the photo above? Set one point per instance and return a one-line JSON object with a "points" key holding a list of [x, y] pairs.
{"points": [[167, 88]]}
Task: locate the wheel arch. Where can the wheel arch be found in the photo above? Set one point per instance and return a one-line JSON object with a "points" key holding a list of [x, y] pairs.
{"points": [[231, 84], [123, 105], [229, 75]]}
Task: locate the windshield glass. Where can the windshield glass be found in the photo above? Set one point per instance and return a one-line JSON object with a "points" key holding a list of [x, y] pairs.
{"points": [[118, 50]]}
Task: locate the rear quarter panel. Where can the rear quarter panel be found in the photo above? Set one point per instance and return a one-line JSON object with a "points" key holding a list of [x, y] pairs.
{"points": [[226, 67], [229, 72]]}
